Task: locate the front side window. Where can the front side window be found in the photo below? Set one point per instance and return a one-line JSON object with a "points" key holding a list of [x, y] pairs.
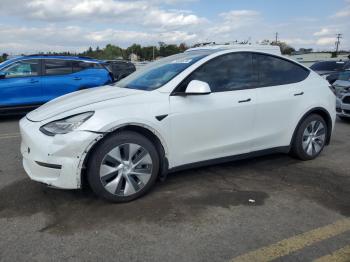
{"points": [[158, 73], [25, 68], [58, 67], [225, 73], [275, 71]]}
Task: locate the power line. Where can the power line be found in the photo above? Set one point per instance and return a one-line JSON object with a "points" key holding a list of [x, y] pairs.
{"points": [[337, 43]]}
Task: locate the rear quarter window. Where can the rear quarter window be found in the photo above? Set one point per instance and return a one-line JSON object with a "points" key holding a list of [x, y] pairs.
{"points": [[81, 65], [273, 71]]}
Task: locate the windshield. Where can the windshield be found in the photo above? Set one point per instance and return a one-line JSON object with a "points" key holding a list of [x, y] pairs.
{"points": [[327, 66], [158, 73]]}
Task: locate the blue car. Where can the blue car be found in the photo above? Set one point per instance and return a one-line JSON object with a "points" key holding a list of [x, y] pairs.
{"points": [[29, 81]]}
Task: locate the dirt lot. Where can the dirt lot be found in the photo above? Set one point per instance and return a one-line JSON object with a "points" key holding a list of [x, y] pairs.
{"points": [[269, 208]]}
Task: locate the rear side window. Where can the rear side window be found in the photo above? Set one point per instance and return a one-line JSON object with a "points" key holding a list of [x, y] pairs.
{"points": [[225, 73], [58, 67], [275, 71], [80, 66]]}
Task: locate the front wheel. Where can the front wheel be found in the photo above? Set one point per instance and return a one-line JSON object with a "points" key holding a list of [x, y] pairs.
{"points": [[123, 167], [310, 138]]}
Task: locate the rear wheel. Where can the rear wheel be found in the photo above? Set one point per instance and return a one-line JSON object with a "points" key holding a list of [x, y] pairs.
{"points": [[310, 138], [123, 167]]}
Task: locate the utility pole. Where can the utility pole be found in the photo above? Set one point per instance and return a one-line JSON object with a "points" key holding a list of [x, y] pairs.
{"points": [[153, 52], [276, 37], [337, 43]]}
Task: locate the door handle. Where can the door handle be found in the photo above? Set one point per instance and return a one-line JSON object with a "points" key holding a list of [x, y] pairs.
{"points": [[299, 94], [32, 81], [245, 101], [77, 78]]}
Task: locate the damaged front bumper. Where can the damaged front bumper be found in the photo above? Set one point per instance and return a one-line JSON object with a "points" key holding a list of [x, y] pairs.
{"points": [[56, 161]]}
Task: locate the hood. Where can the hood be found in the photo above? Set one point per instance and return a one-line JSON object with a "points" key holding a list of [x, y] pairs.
{"points": [[79, 99]]}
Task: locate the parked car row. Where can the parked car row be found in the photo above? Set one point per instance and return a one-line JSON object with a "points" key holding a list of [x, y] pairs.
{"points": [[342, 90], [337, 74], [331, 70], [29, 81]]}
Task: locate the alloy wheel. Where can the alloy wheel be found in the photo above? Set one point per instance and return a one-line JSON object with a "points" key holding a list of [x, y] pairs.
{"points": [[314, 137], [126, 169]]}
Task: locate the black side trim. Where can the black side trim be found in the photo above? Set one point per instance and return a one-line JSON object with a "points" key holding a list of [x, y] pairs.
{"points": [[161, 117], [276, 150], [48, 165]]}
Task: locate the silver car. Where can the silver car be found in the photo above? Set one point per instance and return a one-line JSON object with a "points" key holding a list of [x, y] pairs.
{"points": [[342, 89]]}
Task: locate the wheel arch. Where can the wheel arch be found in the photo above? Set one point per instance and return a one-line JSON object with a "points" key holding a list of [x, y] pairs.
{"points": [[142, 129], [324, 114]]}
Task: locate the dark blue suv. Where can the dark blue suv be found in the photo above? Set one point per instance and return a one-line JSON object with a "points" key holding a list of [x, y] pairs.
{"points": [[29, 81]]}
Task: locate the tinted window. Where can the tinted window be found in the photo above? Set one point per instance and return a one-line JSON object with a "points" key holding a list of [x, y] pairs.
{"points": [[225, 73], [58, 67], [276, 71], [80, 66], [327, 66], [22, 69]]}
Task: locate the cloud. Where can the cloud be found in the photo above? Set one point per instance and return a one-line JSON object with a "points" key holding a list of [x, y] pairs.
{"points": [[230, 25], [326, 41], [72, 25], [138, 12], [324, 31], [344, 13], [74, 38]]}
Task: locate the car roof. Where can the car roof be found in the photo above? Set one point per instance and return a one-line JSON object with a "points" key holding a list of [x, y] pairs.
{"points": [[238, 47], [71, 58]]}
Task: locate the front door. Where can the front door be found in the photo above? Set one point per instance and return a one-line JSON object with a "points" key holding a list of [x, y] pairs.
{"points": [[216, 125], [21, 85]]}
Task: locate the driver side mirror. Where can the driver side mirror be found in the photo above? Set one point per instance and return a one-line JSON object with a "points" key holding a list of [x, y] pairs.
{"points": [[196, 87], [2, 75]]}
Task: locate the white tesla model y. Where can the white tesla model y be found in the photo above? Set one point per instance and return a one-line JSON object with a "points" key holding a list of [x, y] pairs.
{"points": [[203, 106]]}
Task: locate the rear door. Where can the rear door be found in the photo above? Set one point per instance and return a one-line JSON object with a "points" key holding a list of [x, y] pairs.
{"points": [[281, 98], [22, 84], [58, 78], [88, 74]]}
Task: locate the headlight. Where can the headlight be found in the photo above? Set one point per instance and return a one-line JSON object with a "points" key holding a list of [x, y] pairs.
{"points": [[66, 125]]}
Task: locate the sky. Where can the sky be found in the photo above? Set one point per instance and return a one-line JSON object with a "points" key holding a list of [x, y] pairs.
{"points": [[28, 26]]}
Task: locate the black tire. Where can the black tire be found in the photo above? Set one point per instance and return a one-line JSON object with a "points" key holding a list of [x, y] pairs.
{"points": [[95, 161], [297, 149]]}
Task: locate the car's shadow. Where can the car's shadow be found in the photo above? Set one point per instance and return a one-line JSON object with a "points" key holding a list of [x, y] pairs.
{"points": [[184, 195], [11, 118]]}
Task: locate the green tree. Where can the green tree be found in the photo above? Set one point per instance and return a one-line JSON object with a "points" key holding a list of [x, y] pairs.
{"points": [[3, 57], [285, 48]]}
